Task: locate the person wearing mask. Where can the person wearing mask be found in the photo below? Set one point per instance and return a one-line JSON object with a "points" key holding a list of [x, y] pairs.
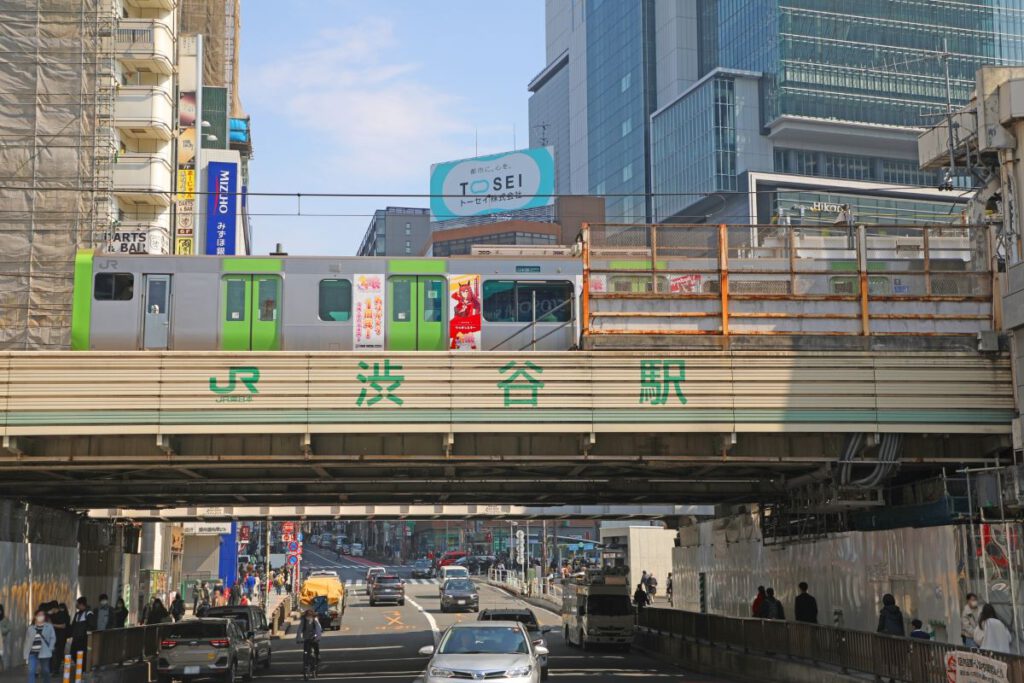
{"points": [[992, 634], [104, 614], [82, 624], [61, 622], [805, 607], [120, 614], [640, 597], [5, 630], [919, 631], [755, 607], [158, 614], [40, 640], [969, 620], [890, 618], [309, 633]]}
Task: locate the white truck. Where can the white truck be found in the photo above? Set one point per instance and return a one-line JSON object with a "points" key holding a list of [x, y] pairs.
{"points": [[597, 609]]}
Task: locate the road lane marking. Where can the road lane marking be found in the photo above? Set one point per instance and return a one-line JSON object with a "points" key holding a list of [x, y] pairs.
{"points": [[429, 617]]}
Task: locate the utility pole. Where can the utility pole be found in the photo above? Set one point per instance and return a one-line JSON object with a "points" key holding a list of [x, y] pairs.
{"points": [[948, 184]]}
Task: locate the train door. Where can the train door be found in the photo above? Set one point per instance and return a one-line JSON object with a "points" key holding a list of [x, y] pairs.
{"points": [[156, 312], [252, 313], [419, 309]]}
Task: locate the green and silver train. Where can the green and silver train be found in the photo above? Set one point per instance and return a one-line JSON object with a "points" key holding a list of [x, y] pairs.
{"points": [[313, 303]]}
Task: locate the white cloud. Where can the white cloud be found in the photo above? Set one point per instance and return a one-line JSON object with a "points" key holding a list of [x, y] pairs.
{"points": [[370, 115]]}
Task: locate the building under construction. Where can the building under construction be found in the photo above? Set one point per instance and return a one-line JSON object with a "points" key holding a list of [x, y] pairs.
{"points": [[89, 138]]}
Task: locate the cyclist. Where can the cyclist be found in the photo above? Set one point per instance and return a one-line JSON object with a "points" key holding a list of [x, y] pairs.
{"points": [[308, 634]]}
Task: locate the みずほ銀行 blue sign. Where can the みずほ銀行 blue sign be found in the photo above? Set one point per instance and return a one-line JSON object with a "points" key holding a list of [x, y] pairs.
{"points": [[221, 207]]}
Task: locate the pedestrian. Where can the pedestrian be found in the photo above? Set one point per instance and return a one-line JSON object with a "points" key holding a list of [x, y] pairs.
{"points": [[204, 593], [755, 607], [236, 593], [279, 582], [250, 585], [104, 614], [992, 634], [890, 618], [40, 641], [158, 614], [652, 586], [196, 595], [969, 620], [5, 630], [177, 607], [60, 619], [772, 608], [643, 580], [668, 588], [805, 607], [82, 624], [919, 631], [120, 613], [640, 598]]}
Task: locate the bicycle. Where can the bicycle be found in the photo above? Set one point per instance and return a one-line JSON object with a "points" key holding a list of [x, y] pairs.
{"points": [[310, 660]]}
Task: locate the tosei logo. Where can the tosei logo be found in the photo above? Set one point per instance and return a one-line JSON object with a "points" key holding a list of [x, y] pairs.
{"points": [[248, 376]]}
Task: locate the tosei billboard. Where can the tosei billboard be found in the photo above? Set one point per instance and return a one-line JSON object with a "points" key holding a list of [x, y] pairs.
{"points": [[492, 184]]}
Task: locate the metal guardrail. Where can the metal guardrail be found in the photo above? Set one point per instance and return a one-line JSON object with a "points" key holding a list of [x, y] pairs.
{"points": [[550, 590], [118, 646], [884, 656]]}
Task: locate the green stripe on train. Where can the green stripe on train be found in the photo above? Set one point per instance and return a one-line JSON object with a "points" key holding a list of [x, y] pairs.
{"points": [[251, 265], [81, 301]]}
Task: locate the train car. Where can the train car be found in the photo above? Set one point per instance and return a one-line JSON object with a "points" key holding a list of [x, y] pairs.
{"points": [[313, 303]]}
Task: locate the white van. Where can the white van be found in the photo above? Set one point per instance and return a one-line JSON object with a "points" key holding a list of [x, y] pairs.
{"points": [[451, 571], [357, 550]]}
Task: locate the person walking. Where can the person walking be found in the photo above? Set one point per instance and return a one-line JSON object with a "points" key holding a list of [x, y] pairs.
{"points": [[643, 580], [82, 624], [177, 607], [40, 641], [279, 582], [890, 618], [640, 597], [668, 588], [969, 620], [992, 633], [120, 614], [158, 614], [652, 586], [755, 607], [60, 619], [197, 594], [772, 607], [919, 631], [805, 607], [204, 593], [104, 614]]}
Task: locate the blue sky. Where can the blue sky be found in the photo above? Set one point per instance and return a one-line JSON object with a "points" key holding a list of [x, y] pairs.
{"points": [[354, 96]]}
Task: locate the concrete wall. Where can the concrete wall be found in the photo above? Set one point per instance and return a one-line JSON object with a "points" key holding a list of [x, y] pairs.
{"points": [[201, 557]]}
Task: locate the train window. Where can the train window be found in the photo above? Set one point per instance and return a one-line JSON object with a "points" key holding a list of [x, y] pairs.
{"points": [[506, 301], [335, 300], [235, 298], [432, 301], [114, 286], [268, 299], [499, 301], [401, 305]]}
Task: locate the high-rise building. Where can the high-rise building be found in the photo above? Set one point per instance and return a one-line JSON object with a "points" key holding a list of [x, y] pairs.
{"points": [[701, 92], [396, 231]]}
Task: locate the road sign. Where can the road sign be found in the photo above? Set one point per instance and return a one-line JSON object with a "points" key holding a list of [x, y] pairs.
{"points": [[287, 538], [288, 527], [293, 547], [300, 537], [293, 560]]}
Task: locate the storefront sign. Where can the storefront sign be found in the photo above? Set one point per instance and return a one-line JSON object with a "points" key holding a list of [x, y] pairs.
{"points": [[464, 313], [221, 207], [368, 301], [128, 242], [207, 528]]}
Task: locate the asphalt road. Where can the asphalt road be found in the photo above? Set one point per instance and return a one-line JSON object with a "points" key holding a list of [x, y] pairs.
{"points": [[379, 644]]}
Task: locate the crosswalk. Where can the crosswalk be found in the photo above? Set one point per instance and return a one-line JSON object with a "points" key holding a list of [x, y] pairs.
{"points": [[360, 583]]}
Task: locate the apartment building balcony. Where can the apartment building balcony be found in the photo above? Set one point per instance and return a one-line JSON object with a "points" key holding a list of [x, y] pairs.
{"points": [[166, 5], [145, 45], [143, 178], [144, 111]]}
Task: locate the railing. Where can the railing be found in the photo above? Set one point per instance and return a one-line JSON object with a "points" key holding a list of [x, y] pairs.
{"points": [[115, 647], [902, 659], [542, 588], [783, 280]]}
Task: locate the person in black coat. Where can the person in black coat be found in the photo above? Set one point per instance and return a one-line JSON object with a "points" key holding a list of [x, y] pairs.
{"points": [[890, 618], [805, 607]]}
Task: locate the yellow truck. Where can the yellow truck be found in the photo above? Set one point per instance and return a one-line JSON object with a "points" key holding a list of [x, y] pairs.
{"points": [[325, 595]]}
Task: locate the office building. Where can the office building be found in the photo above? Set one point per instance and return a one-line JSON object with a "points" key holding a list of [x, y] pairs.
{"points": [[727, 87], [396, 231]]}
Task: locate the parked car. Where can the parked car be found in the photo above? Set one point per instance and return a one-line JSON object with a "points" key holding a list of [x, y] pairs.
{"points": [[253, 622], [387, 588], [204, 648], [500, 650], [458, 595], [423, 569], [528, 619], [371, 575]]}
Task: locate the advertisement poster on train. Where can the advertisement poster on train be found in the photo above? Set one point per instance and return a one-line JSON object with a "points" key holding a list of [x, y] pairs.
{"points": [[464, 313], [368, 303]]}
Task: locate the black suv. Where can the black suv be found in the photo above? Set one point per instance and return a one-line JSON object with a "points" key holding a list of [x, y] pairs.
{"points": [[387, 588]]}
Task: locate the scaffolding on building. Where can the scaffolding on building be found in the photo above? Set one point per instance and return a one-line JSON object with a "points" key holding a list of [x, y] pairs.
{"points": [[57, 92]]}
